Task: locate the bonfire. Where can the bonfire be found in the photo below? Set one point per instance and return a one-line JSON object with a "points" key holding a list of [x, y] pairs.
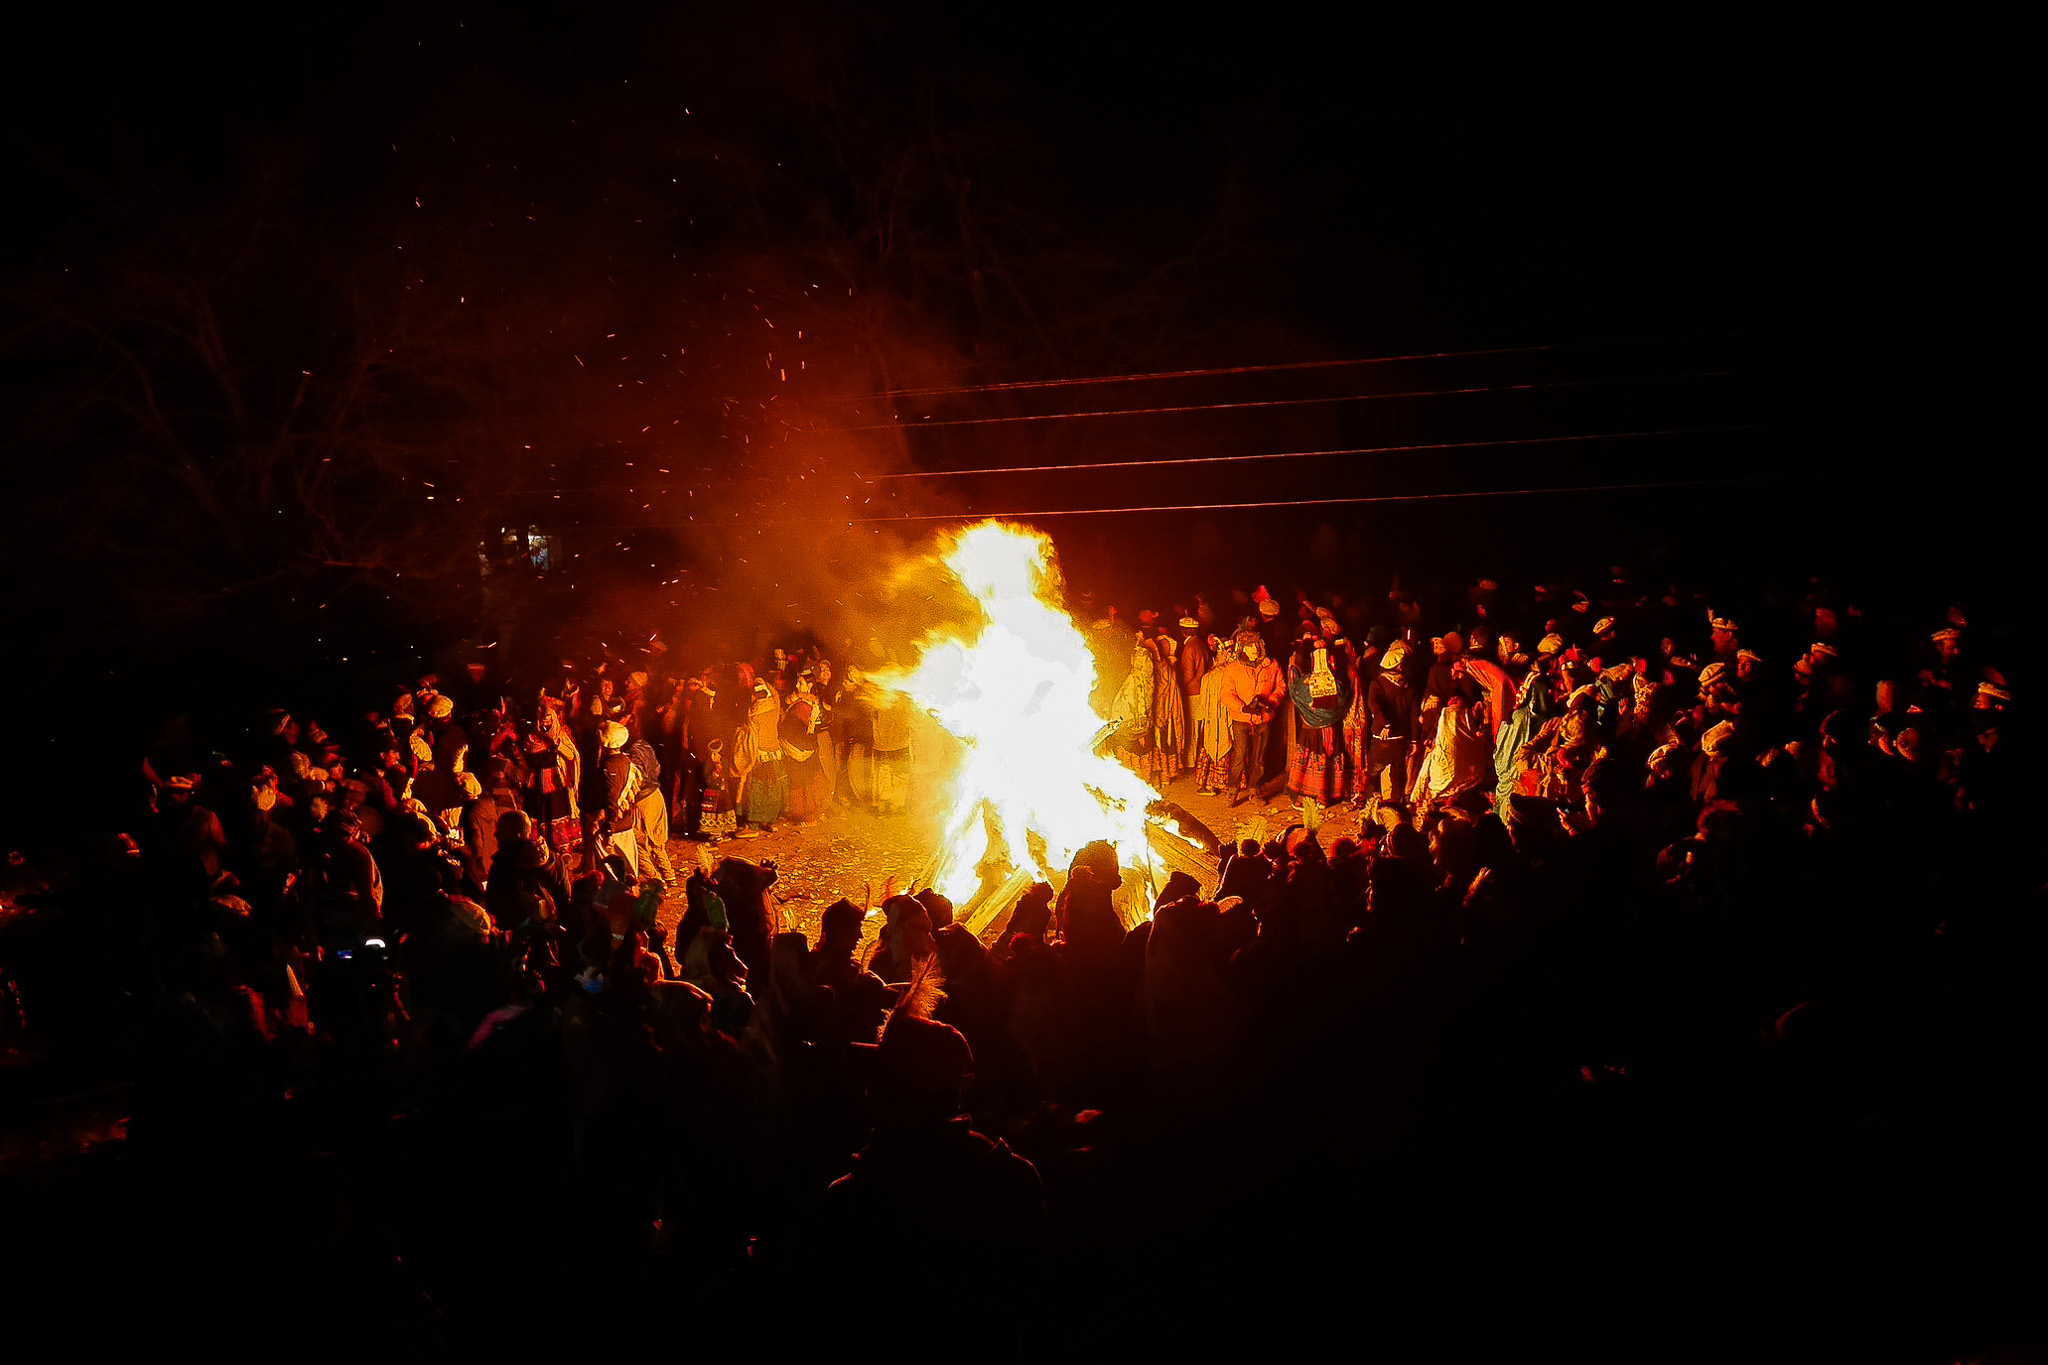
{"points": [[1033, 785]]}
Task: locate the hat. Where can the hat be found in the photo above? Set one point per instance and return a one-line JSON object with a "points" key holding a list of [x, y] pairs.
{"points": [[471, 786], [1188, 623], [1396, 652], [613, 735], [1146, 618], [1660, 753], [1750, 655], [1827, 650], [1984, 689], [1946, 633], [441, 708], [1603, 625], [636, 680], [1721, 622], [1711, 674], [178, 782], [1713, 740], [1550, 644], [1268, 607]]}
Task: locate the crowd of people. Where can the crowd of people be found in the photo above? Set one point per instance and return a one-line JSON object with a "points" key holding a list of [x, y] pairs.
{"points": [[1523, 703], [1619, 849]]}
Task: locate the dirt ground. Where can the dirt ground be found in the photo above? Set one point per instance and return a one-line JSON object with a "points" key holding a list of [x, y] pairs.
{"points": [[853, 853]]}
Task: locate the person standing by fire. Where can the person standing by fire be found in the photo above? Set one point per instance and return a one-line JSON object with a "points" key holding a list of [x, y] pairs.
{"points": [[1209, 723], [892, 756], [554, 772], [1132, 709], [1390, 705], [1169, 719], [1252, 690], [1321, 695], [803, 744], [1192, 666], [757, 759]]}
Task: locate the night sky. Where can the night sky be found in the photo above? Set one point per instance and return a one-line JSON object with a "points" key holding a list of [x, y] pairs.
{"points": [[304, 307]]}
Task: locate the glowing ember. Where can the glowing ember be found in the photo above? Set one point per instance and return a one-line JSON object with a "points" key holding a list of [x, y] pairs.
{"points": [[1031, 789]]}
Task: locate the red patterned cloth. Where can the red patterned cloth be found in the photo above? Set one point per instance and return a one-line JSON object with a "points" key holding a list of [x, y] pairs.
{"points": [[1316, 767]]}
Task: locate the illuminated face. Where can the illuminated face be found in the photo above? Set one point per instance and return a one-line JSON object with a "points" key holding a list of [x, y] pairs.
{"points": [[1745, 668], [1253, 651]]}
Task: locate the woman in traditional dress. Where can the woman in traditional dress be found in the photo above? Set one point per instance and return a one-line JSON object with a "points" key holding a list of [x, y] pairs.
{"points": [[1132, 710], [802, 759], [552, 765], [1315, 766], [757, 760], [1210, 722], [1169, 714]]}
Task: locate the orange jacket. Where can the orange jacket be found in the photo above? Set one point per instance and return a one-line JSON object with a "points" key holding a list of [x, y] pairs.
{"points": [[1243, 683]]}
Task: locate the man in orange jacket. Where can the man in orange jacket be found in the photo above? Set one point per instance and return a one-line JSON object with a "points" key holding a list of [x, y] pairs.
{"points": [[1252, 689]]}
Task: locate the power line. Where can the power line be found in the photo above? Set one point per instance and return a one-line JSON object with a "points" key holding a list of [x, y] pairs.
{"points": [[1295, 402], [1329, 502], [1174, 462], [1019, 384], [1354, 450]]}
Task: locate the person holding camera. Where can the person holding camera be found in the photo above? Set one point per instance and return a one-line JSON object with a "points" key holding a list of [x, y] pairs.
{"points": [[1252, 690]]}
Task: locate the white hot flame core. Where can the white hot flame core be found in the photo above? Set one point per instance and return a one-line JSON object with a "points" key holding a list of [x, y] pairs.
{"points": [[1017, 696]]}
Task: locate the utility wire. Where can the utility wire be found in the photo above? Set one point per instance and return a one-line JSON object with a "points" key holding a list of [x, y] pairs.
{"points": [[1173, 462], [1353, 450], [1012, 386], [1328, 502], [1296, 402], [637, 490]]}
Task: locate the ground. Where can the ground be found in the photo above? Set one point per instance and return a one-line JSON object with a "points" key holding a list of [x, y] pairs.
{"points": [[852, 854]]}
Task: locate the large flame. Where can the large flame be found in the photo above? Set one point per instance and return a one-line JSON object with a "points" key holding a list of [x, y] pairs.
{"points": [[1031, 788]]}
